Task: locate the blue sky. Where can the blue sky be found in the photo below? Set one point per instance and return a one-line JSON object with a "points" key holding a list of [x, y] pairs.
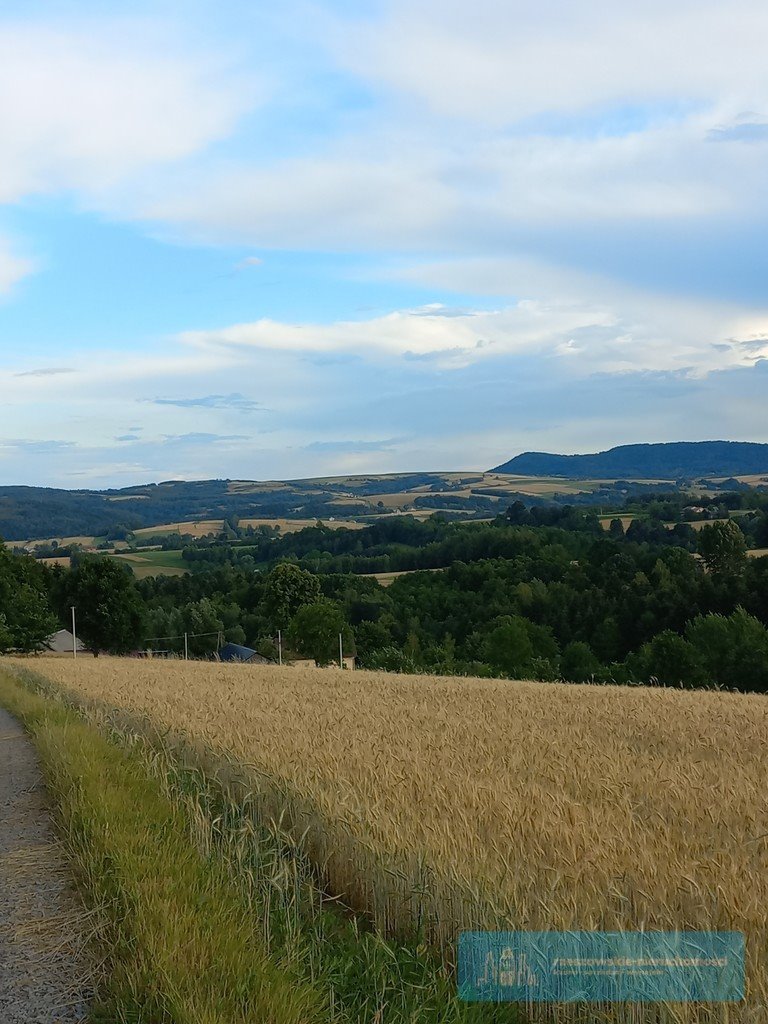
{"points": [[240, 241]]}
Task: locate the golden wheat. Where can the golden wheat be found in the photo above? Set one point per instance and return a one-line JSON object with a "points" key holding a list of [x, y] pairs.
{"points": [[463, 803]]}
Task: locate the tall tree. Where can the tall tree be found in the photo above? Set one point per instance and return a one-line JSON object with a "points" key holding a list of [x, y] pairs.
{"points": [[733, 649], [578, 663], [26, 619], [289, 588], [723, 548], [315, 631], [671, 659], [110, 612]]}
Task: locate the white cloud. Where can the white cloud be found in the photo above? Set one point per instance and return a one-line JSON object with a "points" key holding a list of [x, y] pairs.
{"points": [[85, 106], [482, 135], [401, 188], [249, 261], [648, 330], [346, 199], [456, 152], [104, 108], [507, 59], [593, 325], [531, 388]]}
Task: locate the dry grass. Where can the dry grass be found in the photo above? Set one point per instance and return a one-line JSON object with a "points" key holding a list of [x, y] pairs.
{"points": [[386, 579], [464, 803], [201, 528], [83, 540], [294, 525], [753, 479], [206, 526], [255, 486], [699, 524], [626, 521], [397, 499], [540, 486]]}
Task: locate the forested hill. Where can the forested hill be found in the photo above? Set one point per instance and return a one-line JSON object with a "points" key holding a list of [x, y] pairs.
{"points": [[45, 512], [679, 460]]}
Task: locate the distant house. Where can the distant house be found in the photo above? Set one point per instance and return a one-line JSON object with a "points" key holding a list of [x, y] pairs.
{"points": [[62, 642], [236, 652]]}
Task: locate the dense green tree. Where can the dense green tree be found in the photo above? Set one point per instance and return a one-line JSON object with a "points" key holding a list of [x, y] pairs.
{"points": [[370, 637], [578, 663], [723, 548], [6, 636], [288, 588], [314, 631], [560, 579], [711, 637], [669, 659], [616, 529], [110, 613], [391, 659], [514, 643], [761, 531], [164, 628], [31, 620], [733, 650], [203, 626], [26, 618], [235, 635], [508, 647]]}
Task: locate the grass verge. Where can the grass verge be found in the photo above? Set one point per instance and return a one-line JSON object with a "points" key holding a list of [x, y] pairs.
{"points": [[212, 916], [184, 947]]}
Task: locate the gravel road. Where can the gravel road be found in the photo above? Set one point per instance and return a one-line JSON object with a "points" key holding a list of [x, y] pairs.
{"points": [[43, 968]]}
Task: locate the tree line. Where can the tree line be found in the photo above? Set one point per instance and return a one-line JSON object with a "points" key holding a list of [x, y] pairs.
{"points": [[558, 598]]}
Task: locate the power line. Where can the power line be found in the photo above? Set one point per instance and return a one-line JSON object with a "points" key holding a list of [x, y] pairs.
{"points": [[180, 636], [219, 634]]}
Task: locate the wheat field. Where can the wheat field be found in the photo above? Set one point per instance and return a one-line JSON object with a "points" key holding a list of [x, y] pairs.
{"points": [[454, 803]]}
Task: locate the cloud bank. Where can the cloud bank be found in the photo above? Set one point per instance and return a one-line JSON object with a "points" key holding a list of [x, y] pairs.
{"points": [[558, 213]]}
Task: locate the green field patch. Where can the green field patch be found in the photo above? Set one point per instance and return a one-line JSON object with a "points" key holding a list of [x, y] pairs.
{"points": [[154, 563]]}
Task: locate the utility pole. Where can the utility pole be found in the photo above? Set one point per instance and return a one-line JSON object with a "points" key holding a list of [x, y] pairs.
{"points": [[279, 647], [186, 647], [341, 651], [74, 634]]}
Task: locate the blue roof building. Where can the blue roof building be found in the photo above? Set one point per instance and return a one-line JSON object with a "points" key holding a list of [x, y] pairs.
{"points": [[236, 652]]}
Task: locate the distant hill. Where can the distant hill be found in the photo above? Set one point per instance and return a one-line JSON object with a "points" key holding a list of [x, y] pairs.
{"points": [[679, 460], [43, 512], [28, 513]]}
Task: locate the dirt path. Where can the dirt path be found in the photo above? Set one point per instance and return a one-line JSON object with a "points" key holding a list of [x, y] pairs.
{"points": [[42, 965]]}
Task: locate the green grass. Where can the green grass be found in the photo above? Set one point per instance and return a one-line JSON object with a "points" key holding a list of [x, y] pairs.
{"points": [[153, 563], [171, 559], [184, 946], [211, 914]]}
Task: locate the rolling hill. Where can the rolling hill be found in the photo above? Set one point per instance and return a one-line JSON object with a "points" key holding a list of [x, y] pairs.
{"points": [[535, 477], [679, 460]]}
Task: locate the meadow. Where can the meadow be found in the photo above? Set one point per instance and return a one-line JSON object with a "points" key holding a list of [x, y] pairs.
{"points": [[154, 563], [440, 804]]}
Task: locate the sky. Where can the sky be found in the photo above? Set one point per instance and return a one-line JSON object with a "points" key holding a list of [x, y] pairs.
{"points": [[267, 241]]}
